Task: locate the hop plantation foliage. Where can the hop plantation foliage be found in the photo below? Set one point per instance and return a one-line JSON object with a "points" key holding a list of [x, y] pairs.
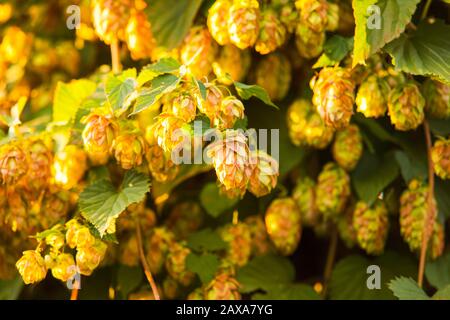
{"points": [[227, 149]]}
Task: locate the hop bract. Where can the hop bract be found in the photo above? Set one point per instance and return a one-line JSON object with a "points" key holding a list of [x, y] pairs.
{"points": [[31, 267], [348, 147], [406, 107], [129, 149]]}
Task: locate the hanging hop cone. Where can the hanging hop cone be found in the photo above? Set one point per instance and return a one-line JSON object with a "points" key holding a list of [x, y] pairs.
{"points": [[170, 132], [264, 175], [198, 51], [333, 96], [31, 267], [243, 23], [69, 166], [231, 159], [440, 155], [371, 99], [184, 106], [129, 149], [159, 242], [333, 13], [371, 226], [287, 13], [139, 36], [230, 110], [176, 264], [437, 95], [406, 107], [161, 167], [185, 218], [348, 147], [89, 257], [98, 135], [333, 190], [14, 162], [273, 73], [64, 267], [283, 223], [41, 159], [223, 287], [304, 195], [260, 241], [272, 33], [309, 43], [110, 18], [210, 105], [413, 211], [306, 127], [231, 64], [217, 21], [239, 241], [344, 224], [16, 45]]}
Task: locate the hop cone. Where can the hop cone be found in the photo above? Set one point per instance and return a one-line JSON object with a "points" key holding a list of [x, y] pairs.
{"points": [[440, 155], [371, 99], [230, 110], [231, 159], [31, 267], [185, 218], [287, 13], [98, 135], [413, 212], [139, 36], [64, 267], [304, 195], [169, 131], [210, 106], [333, 190], [198, 51], [223, 287], [333, 20], [89, 257], [437, 95], [176, 264], [231, 64], [184, 106], [333, 96], [110, 18], [161, 239], [406, 107], [161, 167], [69, 166], [344, 224], [273, 73], [239, 241], [348, 147], [41, 159], [128, 251], [283, 223], [171, 288], [243, 23], [16, 45], [306, 126], [14, 163], [371, 226], [129, 149], [272, 33], [265, 173], [217, 21], [197, 294], [309, 43], [259, 238]]}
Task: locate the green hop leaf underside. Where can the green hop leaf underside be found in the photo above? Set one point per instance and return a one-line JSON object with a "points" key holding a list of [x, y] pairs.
{"points": [[246, 91], [334, 50]]}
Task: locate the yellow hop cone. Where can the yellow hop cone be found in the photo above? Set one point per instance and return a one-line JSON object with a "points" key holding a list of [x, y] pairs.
{"points": [[41, 159], [238, 238], [264, 175], [14, 163], [110, 18], [437, 95], [16, 46], [333, 96], [243, 23], [260, 241], [344, 224], [272, 33], [55, 240], [273, 73], [440, 155], [170, 131], [69, 166], [176, 264], [223, 287], [406, 107], [217, 21], [283, 223], [348, 147], [333, 14], [230, 110], [129, 149], [159, 242], [31, 267], [371, 99], [304, 195], [88, 258], [309, 44], [184, 106], [210, 106], [98, 135], [198, 51], [139, 36], [231, 64], [306, 127], [161, 167], [64, 267]]}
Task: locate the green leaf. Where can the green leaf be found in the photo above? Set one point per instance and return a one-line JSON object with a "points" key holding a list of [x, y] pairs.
{"points": [[296, 291], [205, 265], [118, 88], [128, 278], [69, 97], [265, 272], [349, 277], [171, 20], [407, 289], [442, 294], [10, 289], [160, 85], [409, 168], [206, 239], [165, 65], [425, 52], [334, 50], [214, 202], [246, 91], [100, 203], [394, 16], [438, 272], [373, 174]]}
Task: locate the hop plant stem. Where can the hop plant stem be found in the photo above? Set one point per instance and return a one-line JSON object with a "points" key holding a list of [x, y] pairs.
{"points": [[331, 256], [115, 58]]}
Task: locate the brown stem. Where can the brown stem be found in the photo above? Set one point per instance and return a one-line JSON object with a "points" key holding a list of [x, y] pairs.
{"points": [[115, 58], [147, 271], [430, 214], [74, 293], [330, 260], [425, 10]]}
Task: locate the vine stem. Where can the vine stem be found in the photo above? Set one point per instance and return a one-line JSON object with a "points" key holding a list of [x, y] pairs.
{"points": [[430, 214], [115, 58], [425, 9], [147, 271], [331, 256], [74, 293]]}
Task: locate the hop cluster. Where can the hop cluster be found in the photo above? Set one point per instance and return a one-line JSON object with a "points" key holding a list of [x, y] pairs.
{"points": [[440, 155], [348, 147], [406, 107]]}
